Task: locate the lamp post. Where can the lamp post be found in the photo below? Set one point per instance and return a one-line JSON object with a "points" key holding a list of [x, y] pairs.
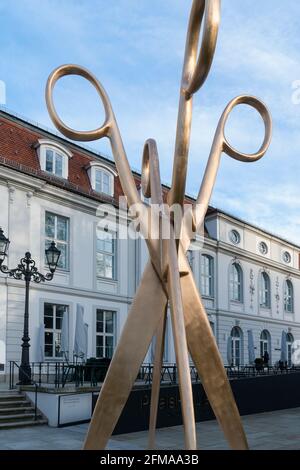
{"points": [[28, 271]]}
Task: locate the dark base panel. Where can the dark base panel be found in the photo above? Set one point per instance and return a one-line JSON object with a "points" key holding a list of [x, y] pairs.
{"points": [[253, 395]]}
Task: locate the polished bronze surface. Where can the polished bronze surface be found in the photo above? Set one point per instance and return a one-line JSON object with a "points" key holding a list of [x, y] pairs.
{"points": [[167, 278], [156, 378], [194, 75]]}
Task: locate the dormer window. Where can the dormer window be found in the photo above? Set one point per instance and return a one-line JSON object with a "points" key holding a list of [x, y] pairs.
{"points": [[101, 178], [54, 158], [54, 162], [103, 181]]}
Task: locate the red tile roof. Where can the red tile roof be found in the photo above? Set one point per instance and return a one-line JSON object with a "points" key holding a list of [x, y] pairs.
{"points": [[17, 150], [18, 138]]}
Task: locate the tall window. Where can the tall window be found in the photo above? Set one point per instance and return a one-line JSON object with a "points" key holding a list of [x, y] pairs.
{"points": [[106, 254], [236, 283], [236, 346], [54, 163], [265, 290], [105, 333], [289, 297], [289, 345], [53, 317], [57, 230], [265, 343], [103, 182], [207, 275]]}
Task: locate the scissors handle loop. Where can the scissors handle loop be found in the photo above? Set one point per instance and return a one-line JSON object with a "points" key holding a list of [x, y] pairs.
{"points": [[151, 183], [263, 111], [83, 136], [210, 10], [220, 144]]}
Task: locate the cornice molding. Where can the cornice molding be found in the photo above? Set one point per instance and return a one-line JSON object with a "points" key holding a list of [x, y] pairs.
{"points": [[41, 188], [267, 235], [71, 291], [259, 318], [54, 144], [256, 259], [105, 166]]}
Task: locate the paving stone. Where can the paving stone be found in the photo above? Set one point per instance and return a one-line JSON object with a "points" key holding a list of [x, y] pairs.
{"points": [[274, 430]]}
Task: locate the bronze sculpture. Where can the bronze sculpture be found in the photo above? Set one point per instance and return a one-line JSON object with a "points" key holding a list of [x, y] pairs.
{"points": [[168, 276]]}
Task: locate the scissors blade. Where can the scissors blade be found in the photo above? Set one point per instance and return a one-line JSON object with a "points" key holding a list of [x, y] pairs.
{"points": [[207, 359], [156, 379], [180, 345], [144, 317]]}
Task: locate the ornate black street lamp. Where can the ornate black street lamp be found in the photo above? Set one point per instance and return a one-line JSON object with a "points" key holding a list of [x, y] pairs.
{"points": [[27, 270]]}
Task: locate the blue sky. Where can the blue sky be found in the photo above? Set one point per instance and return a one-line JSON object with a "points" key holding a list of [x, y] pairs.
{"points": [[135, 48]]}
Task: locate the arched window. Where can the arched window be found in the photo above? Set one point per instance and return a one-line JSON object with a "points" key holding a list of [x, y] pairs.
{"points": [[101, 178], [236, 346], [289, 345], [236, 283], [207, 275], [265, 343], [265, 290], [289, 297], [54, 157]]}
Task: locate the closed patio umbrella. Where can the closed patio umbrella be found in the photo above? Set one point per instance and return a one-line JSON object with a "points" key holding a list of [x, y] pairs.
{"points": [[80, 341], [64, 342], [251, 351], [86, 330], [283, 355], [41, 343]]}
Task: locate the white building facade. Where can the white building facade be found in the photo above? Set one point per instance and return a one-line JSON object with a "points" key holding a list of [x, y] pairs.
{"points": [[50, 189]]}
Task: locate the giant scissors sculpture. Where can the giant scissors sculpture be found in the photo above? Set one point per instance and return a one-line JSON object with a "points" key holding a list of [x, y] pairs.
{"points": [[167, 277]]}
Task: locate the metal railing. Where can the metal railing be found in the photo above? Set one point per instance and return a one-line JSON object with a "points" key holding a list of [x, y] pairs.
{"points": [[14, 366], [61, 374], [239, 372], [169, 374]]}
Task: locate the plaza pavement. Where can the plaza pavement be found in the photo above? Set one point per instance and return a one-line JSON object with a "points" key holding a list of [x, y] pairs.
{"points": [[265, 431]]}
